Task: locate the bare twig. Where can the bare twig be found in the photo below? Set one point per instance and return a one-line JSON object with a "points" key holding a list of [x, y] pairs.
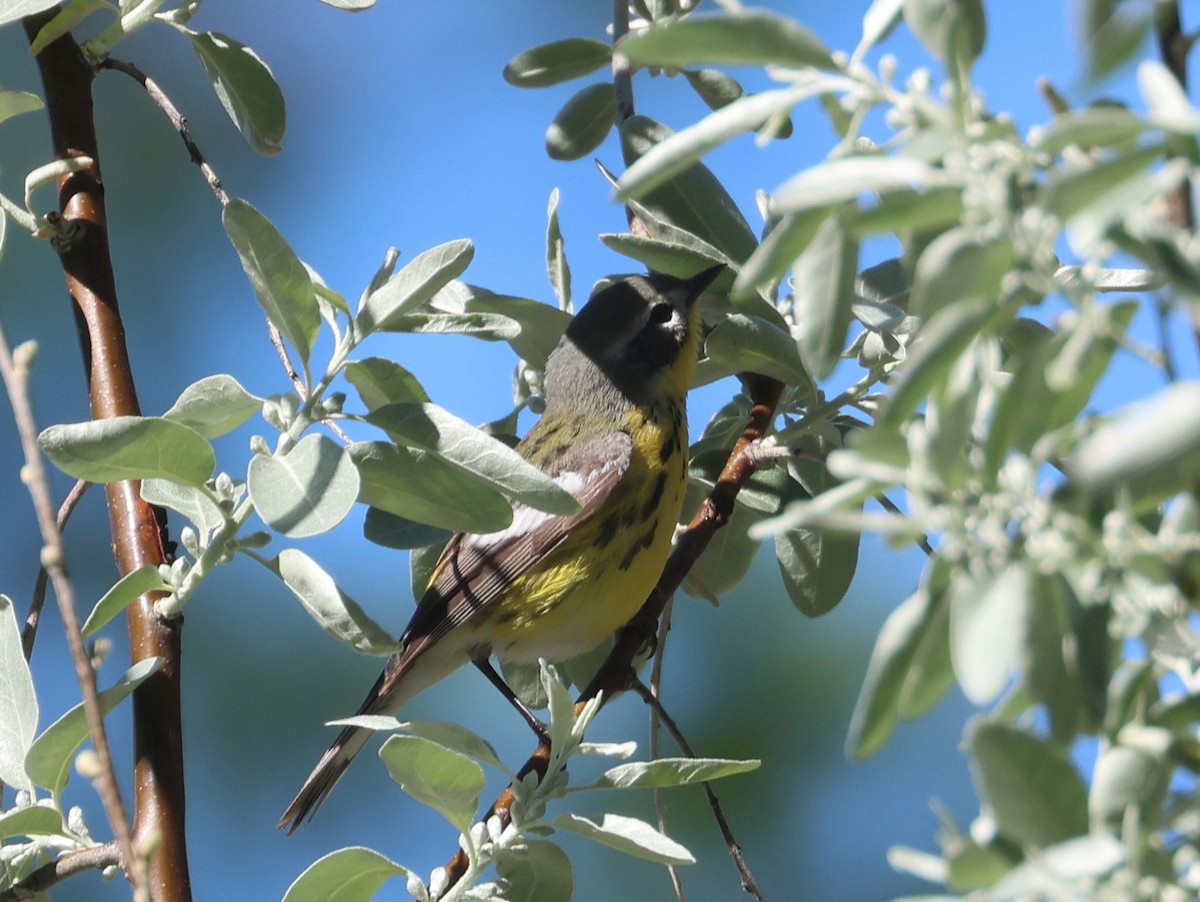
{"points": [[97, 858], [33, 618], [735, 850], [660, 795], [922, 540], [163, 102], [15, 373]]}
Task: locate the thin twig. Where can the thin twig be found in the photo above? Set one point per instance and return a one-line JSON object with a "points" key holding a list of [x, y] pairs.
{"points": [[179, 121], [15, 375], [660, 795], [97, 858], [163, 102], [33, 618], [922, 541], [735, 850]]}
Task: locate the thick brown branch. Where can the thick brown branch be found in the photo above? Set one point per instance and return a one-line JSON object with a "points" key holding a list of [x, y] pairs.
{"points": [[617, 673], [138, 530]]}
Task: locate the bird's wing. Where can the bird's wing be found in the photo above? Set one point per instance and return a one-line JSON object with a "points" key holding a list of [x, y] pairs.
{"points": [[475, 569]]}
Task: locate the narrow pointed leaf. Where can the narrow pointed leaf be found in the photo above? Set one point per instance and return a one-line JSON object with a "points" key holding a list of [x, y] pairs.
{"points": [[18, 701], [745, 38], [333, 610], [128, 588]]}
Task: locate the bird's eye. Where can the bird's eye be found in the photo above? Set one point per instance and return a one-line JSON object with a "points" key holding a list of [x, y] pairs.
{"points": [[661, 313]]}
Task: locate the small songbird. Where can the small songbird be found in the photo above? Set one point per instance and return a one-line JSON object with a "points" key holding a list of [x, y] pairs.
{"points": [[614, 435]]}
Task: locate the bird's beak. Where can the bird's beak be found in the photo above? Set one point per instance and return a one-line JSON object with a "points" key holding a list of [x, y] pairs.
{"points": [[701, 280]]}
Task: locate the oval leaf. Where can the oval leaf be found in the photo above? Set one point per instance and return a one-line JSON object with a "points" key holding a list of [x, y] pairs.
{"points": [[18, 701], [626, 834], [128, 588], [246, 88], [281, 283], [750, 344], [214, 406], [335, 611], [558, 61], [416, 282], [457, 442], [583, 123], [48, 762], [307, 491], [353, 874], [745, 38], [418, 486], [446, 781], [119, 448]]}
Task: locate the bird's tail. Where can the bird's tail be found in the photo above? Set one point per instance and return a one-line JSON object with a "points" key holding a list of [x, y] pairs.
{"points": [[324, 777]]}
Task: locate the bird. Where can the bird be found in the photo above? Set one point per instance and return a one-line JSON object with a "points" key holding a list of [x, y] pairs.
{"points": [[613, 434]]}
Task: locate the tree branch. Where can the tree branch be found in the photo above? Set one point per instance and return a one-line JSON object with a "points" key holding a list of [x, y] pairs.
{"points": [[97, 858], [138, 530]]}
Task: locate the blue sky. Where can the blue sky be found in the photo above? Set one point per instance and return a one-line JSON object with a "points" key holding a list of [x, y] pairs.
{"points": [[402, 133]]}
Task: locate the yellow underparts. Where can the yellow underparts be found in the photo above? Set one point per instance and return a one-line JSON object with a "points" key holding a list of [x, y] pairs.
{"points": [[598, 578]]}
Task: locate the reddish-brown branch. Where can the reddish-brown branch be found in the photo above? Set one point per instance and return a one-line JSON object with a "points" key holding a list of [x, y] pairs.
{"points": [[138, 530], [617, 673]]}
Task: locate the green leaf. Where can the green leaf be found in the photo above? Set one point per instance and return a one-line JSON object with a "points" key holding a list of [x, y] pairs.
{"points": [[817, 567], [380, 382], [749, 344], [714, 87], [535, 871], [246, 88], [692, 200], [779, 250], [1113, 33], [664, 772], [583, 122], [987, 622], [353, 6], [942, 340], [307, 491], [18, 701], [214, 406], [34, 820], [1045, 663], [192, 502], [13, 103], [628, 835], [14, 10], [1158, 436], [63, 21], [1072, 191], [1097, 126], [1128, 776], [674, 155], [894, 661], [118, 448], [418, 281], [128, 588], [556, 256], [959, 263], [446, 781], [951, 30], [825, 274], [281, 284], [419, 486], [1035, 794], [334, 611], [847, 178], [540, 326], [556, 62], [909, 213], [879, 20], [458, 739], [668, 256], [393, 531], [48, 761], [431, 428], [745, 38], [352, 874]]}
